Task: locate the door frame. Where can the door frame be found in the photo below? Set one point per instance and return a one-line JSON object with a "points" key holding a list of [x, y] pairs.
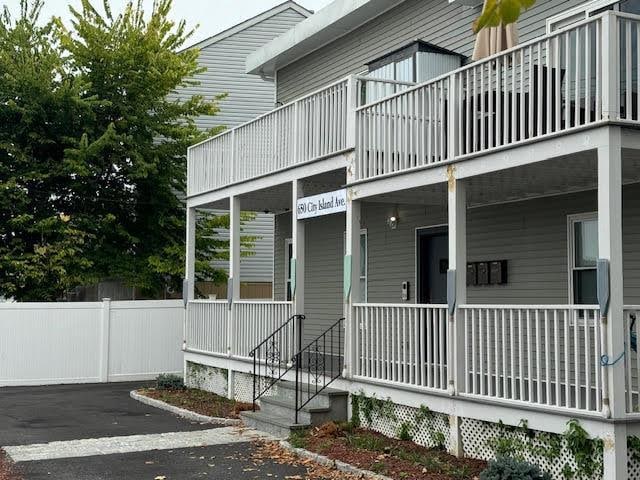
{"points": [[430, 230]]}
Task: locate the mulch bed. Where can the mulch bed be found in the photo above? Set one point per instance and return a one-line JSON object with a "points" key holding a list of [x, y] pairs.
{"points": [[399, 459], [272, 451], [198, 401], [7, 469]]}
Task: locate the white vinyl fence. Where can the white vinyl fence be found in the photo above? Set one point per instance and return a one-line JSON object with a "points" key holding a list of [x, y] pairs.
{"points": [[56, 343]]}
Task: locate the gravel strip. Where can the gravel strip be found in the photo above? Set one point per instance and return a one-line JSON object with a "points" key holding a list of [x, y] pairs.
{"points": [[337, 464], [181, 412]]}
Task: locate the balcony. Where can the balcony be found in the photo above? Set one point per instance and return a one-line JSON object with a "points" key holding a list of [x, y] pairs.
{"points": [[578, 77]]}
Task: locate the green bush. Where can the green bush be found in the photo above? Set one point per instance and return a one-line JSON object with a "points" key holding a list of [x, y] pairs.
{"points": [[506, 468], [169, 382]]}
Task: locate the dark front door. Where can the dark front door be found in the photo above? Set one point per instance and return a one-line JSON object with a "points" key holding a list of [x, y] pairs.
{"points": [[433, 263]]}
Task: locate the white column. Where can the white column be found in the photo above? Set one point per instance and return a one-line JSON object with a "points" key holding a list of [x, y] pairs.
{"points": [[190, 259], [352, 104], [352, 250], [610, 248], [234, 247], [457, 208], [458, 263], [297, 240], [233, 292], [610, 70]]}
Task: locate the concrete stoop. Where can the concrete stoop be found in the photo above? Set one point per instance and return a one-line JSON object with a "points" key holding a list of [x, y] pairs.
{"points": [[277, 410]]}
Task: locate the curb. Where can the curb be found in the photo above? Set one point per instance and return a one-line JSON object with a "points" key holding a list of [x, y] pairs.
{"points": [[328, 462], [181, 412]]}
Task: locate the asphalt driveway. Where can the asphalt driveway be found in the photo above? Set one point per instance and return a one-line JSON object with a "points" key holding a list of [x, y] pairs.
{"points": [[97, 432], [71, 412]]}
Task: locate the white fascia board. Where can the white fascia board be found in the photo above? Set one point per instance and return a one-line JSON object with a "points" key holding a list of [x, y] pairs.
{"points": [[251, 22], [333, 21]]}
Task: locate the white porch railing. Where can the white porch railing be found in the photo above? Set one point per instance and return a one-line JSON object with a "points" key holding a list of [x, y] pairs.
{"points": [[538, 354], [401, 343], [632, 360], [212, 328], [253, 321], [311, 127], [207, 326]]}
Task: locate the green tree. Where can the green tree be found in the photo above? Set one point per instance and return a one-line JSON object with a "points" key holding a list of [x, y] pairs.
{"points": [[93, 151], [42, 251]]}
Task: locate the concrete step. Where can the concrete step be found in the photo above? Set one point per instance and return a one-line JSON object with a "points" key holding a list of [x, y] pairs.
{"points": [[279, 427], [285, 392], [286, 409]]}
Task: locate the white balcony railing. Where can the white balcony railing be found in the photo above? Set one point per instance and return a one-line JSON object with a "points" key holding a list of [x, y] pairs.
{"points": [[312, 127], [214, 328], [583, 75], [536, 354], [404, 344]]}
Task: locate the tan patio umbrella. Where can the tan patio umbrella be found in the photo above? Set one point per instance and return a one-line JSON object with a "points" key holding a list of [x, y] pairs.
{"points": [[492, 40]]}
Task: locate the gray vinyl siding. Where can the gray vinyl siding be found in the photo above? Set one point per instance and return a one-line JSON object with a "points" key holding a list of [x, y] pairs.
{"points": [[248, 95], [258, 265], [531, 235], [439, 22]]}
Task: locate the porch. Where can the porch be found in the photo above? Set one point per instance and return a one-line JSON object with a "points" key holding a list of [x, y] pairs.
{"points": [[521, 342]]}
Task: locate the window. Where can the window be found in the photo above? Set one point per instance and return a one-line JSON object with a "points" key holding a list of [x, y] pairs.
{"points": [[288, 255], [583, 256], [363, 263]]}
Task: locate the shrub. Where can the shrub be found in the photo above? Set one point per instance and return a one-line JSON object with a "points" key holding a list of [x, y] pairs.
{"points": [[506, 468], [169, 382]]}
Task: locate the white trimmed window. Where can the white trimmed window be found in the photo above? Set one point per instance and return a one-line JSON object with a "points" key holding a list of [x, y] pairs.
{"points": [[583, 257]]}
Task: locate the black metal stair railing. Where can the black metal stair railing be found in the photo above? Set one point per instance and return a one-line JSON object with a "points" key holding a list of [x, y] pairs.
{"points": [[272, 357], [318, 365]]}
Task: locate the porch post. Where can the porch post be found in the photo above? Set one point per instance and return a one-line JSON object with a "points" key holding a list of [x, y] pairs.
{"points": [[234, 248], [352, 104], [458, 268], [352, 276], [190, 255], [233, 287], [610, 249], [297, 240]]}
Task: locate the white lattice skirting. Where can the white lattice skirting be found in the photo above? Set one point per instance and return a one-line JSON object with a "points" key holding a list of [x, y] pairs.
{"points": [[427, 432]]}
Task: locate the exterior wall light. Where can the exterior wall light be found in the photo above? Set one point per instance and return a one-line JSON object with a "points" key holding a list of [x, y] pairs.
{"points": [[392, 222]]}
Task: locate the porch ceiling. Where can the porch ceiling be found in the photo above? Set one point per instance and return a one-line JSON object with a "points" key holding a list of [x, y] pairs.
{"points": [[560, 175], [277, 198]]}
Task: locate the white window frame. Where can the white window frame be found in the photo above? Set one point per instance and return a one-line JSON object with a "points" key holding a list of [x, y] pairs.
{"points": [[571, 244], [364, 296], [287, 269]]}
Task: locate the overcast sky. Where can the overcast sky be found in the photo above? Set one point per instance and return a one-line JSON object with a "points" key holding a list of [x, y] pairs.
{"points": [[213, 16]]}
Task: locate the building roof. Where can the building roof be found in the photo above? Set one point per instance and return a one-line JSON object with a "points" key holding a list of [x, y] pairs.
{"points": [[331, 22], [253, 21]]}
